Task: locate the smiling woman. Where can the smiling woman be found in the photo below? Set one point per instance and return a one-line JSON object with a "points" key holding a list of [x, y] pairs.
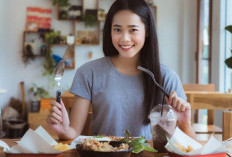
{"points": [[121, 95]]}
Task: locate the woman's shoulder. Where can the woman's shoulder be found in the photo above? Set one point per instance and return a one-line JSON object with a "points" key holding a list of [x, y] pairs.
{"points": [[167, 71], [94, 64]]}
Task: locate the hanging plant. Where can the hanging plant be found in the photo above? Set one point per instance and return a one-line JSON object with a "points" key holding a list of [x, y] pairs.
{"points": [[228, 61], [39, 91], [50, 39], [61, 3]]}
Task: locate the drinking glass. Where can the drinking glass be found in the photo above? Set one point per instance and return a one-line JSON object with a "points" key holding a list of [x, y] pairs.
{"points": [[163, 125]]}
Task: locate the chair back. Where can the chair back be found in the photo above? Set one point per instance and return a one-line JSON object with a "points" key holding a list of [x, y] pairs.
{"points": [[200, 88]]}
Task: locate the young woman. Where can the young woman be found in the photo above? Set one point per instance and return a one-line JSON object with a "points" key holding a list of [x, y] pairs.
{"points": [[121, 95]]}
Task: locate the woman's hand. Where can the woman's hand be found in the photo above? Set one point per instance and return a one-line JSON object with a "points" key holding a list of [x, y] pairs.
{"points": [[57, 118], [183, 110]]}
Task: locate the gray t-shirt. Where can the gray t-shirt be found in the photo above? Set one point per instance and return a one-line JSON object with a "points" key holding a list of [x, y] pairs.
{"points": [[117, 99]]}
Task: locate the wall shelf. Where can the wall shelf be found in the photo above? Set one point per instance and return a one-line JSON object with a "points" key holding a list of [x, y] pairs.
{"points": [[86, 37]]}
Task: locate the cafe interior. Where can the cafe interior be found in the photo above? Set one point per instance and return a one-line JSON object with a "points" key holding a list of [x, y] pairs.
{"points": [[195, 40]]}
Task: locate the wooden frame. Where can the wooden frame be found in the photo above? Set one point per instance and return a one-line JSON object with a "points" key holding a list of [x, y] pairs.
{"points": [[198, 55]]}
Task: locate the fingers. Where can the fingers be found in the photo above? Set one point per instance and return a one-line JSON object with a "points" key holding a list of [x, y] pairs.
{"points": [[54, 103], [177, 103], [55, 113]]}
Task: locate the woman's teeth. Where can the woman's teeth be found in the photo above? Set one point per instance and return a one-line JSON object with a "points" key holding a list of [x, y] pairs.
{"points": [[126, 47]]}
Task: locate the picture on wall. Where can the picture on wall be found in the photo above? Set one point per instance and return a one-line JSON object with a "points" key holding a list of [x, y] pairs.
{"points": [[87, 37], [38, 19]]}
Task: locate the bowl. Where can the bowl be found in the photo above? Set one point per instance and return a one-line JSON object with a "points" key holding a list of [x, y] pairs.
{"points": [[90, 153]]}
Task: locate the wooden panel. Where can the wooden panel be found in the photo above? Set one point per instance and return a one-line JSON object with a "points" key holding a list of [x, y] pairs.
{"points": [[211, 100], [199, 87], [206, 129], [45, 103], [227, 127]]}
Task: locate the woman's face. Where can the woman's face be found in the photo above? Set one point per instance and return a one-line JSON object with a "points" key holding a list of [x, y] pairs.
{"points": [[128, 33]]}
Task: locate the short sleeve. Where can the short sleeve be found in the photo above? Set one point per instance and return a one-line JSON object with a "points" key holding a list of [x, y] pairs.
{"points": [[171, 82], [82, 83]]}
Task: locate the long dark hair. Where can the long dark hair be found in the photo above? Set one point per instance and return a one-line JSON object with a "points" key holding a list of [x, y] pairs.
{"points": [[149, 54]]}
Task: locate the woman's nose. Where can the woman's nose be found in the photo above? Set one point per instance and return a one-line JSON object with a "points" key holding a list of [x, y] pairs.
{"points": [[125, 37]]}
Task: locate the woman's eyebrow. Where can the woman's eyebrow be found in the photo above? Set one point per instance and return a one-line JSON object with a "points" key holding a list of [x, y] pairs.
{"points": [[116, 25], [133, 26]]}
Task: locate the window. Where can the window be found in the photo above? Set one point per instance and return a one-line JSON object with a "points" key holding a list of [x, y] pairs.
{"points": [[204, 49], [228, 45], [204, 42]]}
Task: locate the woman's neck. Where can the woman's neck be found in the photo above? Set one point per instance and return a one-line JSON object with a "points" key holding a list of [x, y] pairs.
{"points": [[126, 66]]}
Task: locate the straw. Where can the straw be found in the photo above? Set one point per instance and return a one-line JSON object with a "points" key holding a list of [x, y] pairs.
{"points": [[162, 104]]}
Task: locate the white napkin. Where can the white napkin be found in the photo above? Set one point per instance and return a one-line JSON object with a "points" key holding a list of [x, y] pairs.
{"points": [[212, 146], [32, 142]]}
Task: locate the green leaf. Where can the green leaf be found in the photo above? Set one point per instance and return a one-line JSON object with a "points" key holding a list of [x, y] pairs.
{"points": [[141, 147], [148, 148], [228, 62], [229, 28], [137, 148], [138, 141]]}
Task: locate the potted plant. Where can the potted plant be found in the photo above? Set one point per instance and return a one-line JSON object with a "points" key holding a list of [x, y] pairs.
{"points": [[90, 18], [38, 93], [228, 61]]}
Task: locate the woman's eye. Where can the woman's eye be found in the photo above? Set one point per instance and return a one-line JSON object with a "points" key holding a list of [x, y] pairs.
{"points": [[133, 30], [116, 29]]}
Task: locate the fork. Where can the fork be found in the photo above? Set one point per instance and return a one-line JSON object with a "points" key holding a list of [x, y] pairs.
{"points": [[152, 76]]}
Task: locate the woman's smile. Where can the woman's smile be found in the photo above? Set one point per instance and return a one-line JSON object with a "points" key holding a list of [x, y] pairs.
{"points": [[126, 47]]}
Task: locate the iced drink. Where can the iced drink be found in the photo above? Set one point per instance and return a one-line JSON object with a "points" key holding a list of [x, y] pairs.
{"points": [[162, 126]]}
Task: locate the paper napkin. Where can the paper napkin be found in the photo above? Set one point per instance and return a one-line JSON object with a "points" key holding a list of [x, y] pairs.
{"points": [[212, 146]]}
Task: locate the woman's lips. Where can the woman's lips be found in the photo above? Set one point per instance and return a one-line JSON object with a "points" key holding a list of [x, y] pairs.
{"points": [[126, 47]]}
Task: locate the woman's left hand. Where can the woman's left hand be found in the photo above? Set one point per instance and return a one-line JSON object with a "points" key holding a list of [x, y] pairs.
{"points": [[182, 108]]}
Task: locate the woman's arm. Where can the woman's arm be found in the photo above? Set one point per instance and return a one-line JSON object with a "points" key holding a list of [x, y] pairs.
{"points": [[59, 121]]}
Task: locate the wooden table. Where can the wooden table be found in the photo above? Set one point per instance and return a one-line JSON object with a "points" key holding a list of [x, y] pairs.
{"points": [[73, 153], [214, 101]]}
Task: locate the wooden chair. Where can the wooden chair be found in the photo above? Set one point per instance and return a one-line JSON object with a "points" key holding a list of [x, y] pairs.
{"points": [[202, 88], [198, 127], [67, 98], [215, 101]]}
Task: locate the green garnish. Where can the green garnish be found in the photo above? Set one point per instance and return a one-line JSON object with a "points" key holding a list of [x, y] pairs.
{"points": [[98, 136], [137, 144]]}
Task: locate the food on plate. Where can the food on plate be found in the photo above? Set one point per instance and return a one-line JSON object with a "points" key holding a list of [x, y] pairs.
{"points": [[95, 145], [61, 147], [182, 148]]}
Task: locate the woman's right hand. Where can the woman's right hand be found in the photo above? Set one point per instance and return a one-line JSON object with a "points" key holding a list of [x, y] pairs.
{"points": [[57, 118]]}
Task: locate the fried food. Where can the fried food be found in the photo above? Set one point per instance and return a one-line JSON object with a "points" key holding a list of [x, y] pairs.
{"points": [[182, 148], [95, 145], [61, 147]]}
